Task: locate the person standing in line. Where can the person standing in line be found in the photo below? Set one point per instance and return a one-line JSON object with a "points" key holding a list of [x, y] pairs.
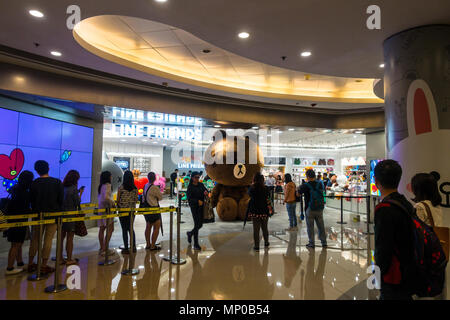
{"points": [[105, 201], [289, 200], [18, 205], [427, 199], [127, 197], [196, 193], [72, 201], [47, 195], [153, 221], [314, 205], [325, 179], [394, 237], [173, 181], [259, 209]]}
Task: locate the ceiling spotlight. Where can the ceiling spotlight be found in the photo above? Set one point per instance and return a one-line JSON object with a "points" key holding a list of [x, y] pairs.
{"points": [[244, 35], [161, 0], [255, 128], [358, 132], [217, 126], [36, 13], [56, 53], [306, 53], [291, 129], [206, 51], [382, 65]]}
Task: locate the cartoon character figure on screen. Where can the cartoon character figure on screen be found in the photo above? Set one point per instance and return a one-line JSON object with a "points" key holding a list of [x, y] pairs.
{"points": [[65, 156], [233, 176], [10, 167], [427, 147]]}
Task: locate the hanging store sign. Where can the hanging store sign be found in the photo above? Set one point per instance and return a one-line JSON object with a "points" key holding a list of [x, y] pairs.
{"points": [[154, 117], [154, 131]]}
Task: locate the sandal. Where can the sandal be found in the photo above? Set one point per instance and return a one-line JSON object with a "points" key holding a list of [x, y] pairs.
{"points": [[71, 262], [155, 248], [32, 267], [47, 269]]}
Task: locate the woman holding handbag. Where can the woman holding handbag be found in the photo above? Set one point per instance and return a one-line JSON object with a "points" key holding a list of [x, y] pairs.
{"points": [[19, 204], [259, 209], [72, 200]]}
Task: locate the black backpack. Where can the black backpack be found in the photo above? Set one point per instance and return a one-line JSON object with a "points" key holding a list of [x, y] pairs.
{"points": [[429, 257]]}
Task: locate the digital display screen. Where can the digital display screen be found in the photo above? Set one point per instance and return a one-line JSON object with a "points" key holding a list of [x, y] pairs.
{"points": [[373, 188], [123, 163], [27, 138], [274, 161]]}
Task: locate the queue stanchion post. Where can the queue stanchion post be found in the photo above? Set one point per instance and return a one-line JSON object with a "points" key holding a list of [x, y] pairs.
{"points": [[368, 217], [38, 276], [342, 211], [57, 287], [131, 271], [170, 257], [177, 260], [107, 262]]}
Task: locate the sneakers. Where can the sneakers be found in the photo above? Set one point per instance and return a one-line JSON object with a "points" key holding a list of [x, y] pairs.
{"points": [[310, 245], [13, 271], [189, 237]]}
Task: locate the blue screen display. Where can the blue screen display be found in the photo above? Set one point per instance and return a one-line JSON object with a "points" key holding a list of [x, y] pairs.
{"points": [[27, 138]]}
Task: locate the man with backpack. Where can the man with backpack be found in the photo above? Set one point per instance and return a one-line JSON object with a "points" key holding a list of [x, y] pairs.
{"points": [[408, 253], [314, 205]]}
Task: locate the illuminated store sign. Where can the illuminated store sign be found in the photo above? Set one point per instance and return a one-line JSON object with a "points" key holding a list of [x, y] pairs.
{"points": [[148, 116], [191, 165], [154, 131]]}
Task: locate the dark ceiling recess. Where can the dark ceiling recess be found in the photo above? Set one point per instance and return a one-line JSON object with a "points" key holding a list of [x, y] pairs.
{"points": [[206, 51]]}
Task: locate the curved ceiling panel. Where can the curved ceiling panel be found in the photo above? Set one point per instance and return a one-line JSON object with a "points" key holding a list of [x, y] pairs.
{"points": [[175, 54]]}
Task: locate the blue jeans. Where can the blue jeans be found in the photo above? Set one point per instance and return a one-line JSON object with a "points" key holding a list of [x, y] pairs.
{"points": [[316, 216], [291, 213]]}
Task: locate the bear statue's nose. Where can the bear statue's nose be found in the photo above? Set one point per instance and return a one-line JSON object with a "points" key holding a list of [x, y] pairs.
{"points": [[240, 166]]}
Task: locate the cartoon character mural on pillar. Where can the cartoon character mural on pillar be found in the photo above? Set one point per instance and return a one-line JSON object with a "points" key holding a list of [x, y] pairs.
{"points": [[10, 167], [427, 147]]}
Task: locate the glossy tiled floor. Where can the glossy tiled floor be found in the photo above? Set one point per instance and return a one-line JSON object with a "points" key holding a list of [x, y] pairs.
{"points": [[226, 268]]}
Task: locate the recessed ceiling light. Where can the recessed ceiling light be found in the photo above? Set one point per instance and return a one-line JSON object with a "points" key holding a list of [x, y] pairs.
{"points": [[244, 35], [358, 132], [161, 0], [217, 126], [306, 53], [291, 129], [206, 51], [36, 13], [56, 53], [382, 65], [255, 128]]}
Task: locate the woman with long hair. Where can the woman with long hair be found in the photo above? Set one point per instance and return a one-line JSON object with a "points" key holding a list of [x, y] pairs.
{"points": [[127, 197], [427, 198], [289, 200], [72, 200], [196, 193], [105, 201], [19, 204], [259, 209], [152, 195]]}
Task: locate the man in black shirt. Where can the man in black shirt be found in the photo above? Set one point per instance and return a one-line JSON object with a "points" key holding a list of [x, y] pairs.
{"points": [[47, 195], [394, 251], [313, 215], [173, 181]]}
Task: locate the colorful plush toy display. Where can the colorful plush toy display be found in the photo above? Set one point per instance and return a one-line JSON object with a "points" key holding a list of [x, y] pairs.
{"points": [[229, 196]]}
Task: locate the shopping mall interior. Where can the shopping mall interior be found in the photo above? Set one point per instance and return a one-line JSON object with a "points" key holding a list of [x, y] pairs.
{"points": [[146, 86]]}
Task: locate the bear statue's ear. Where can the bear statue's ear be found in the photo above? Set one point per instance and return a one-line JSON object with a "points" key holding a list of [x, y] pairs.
{"points": [[421, 109], [219, 135]]}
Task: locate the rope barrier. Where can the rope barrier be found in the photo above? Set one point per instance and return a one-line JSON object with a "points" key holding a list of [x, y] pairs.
{"points": [[25, 224]]}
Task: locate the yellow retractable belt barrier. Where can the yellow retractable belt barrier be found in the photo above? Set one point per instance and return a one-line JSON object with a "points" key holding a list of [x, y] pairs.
{"points": [[121, 212], [25, 224]]}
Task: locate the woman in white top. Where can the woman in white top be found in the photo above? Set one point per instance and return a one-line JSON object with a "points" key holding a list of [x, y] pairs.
{"points": [[427, 196], [152, 195], [105, 201]]}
